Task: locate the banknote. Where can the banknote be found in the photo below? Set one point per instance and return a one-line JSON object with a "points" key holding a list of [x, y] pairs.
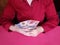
{"points": [[28, 24]]}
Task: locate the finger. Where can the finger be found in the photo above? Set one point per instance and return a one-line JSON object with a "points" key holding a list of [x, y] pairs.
{"points": [[23, 32], [34, 33], [13, 28]]}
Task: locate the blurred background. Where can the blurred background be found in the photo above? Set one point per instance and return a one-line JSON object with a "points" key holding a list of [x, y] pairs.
{"points": [[2, 5], [4, 2], [57, 5]]}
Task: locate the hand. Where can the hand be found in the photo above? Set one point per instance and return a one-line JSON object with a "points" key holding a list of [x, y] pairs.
{"points": [[36, 31], [13, 28], [32, 33], [19, 30]]}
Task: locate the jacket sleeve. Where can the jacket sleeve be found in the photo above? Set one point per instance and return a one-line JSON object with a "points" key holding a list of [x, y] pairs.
{"points": [[51, 16], [7, 16]]}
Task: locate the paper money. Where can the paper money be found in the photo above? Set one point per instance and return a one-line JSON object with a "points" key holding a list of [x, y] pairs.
{"points": [[28, 24]]}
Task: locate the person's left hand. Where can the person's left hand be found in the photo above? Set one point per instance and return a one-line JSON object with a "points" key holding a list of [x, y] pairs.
{"points": [[19, 30], [36, 31]]}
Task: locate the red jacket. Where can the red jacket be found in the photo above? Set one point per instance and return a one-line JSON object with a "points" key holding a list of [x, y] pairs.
{"points": [[39, 10]]}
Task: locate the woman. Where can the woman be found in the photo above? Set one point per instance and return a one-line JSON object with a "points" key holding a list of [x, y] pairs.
{"points": [[31, 10]]}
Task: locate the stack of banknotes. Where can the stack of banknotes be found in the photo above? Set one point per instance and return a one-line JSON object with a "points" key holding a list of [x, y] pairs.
{"points": [[28, 24]]}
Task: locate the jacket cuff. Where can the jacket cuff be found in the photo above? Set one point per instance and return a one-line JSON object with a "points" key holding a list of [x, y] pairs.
{"points": [[6, 26], [46, 28]]}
